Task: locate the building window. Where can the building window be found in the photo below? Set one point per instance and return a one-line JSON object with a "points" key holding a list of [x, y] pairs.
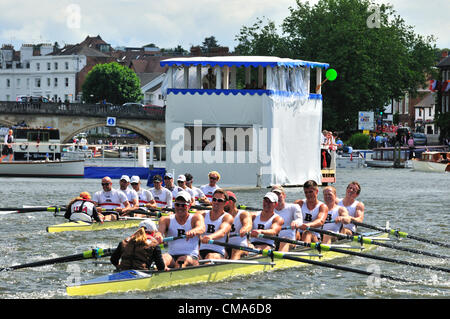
{"points": [[37, 82], [56, 82], [67, 65], [56, 65], [49, 82], [67, 82], [48, 66], [38, 66], [8, 83], [28, 83]]}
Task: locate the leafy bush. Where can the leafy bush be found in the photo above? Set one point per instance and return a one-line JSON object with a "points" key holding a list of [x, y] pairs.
{"points": [[359, 141]]}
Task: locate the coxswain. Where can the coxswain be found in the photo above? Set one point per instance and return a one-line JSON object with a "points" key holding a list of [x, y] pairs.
{"points": [[291, 214], [185, 251], [217, 226], [354, 207], [240, 229], [110, 199], [163, 196], [266, 222], [81, 208], [314, 212], [336, 217], [209, 188], [139, 251]]}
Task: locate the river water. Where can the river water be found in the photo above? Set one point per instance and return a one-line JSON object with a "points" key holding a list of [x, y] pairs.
{"points": [[416, 202]]}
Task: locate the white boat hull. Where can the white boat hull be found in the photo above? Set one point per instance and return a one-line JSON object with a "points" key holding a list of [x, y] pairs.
{"points": [[349, 162], [425, 166], [42, 169], [384, 164]]}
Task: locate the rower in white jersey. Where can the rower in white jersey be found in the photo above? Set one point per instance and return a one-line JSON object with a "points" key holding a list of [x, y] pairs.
{"points": [[266, 222], [314, 212], [181, 181], [131, 194], [355, 208], [199, 196], [182, 252], [168, 183], [291, 214], [241, 227], [217, 226], [336, 217], [209, 188], [110, 199], [163, 197], [145, 197]]}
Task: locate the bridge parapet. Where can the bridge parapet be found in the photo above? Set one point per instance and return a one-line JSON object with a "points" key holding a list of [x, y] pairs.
{"points": [[91, 110]]}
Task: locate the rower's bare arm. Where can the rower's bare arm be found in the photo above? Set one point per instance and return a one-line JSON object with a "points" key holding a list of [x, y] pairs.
{"points": [[276, 226], [163, 225], [247, 223], [321, 217], [344, 217], [198, 226], [359, 213]]}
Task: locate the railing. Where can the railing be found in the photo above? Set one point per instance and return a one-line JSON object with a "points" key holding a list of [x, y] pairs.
{"points": [[79, 109]]}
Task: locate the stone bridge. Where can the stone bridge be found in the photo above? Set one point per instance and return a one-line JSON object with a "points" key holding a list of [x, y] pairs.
{"points": [[72, 119]]}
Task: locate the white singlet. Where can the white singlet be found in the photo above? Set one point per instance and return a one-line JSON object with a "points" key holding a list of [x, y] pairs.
{"points": [[311, 215], [258, 224], [208, 190], [329, 224], [289, 213], [351, 212], [211, 227], [236, 239], [163, 197], [131, 195], [197, 194], [109, 200], [182, 247]]}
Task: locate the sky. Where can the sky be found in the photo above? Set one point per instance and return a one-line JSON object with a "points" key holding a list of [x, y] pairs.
{"points": [[168, 23]]}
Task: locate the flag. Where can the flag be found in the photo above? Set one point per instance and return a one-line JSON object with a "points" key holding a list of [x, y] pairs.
{"points": [[445, 86], [433, 85]]}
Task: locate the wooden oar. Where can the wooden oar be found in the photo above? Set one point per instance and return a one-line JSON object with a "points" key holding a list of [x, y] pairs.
{"points": [[398, 233], [19, 210], [323, 247], [281, 255], [93, 253], [366, 240]]}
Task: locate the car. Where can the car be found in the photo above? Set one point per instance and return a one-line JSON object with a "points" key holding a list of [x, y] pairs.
{"points": [[419, 139]]}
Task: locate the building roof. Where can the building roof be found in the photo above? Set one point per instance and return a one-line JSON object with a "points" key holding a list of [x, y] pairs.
{"points": [[89, 47], [246, 61], [146, 78], [428, 101]]}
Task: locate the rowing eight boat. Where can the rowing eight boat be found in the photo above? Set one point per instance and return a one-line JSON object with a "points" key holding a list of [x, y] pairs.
{"points": [[130, 280]]}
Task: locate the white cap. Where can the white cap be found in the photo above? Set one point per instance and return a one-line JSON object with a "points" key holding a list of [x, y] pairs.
{"points": [[272, 197], [135, 179], [125, 177], [185, 195], [149, 225], [181, 178]]}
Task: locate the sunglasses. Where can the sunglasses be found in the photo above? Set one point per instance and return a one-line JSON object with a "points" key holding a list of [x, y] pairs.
{"points": [[134, 184], [106, 184], [213, 178], [180, 204], [220, 200]]}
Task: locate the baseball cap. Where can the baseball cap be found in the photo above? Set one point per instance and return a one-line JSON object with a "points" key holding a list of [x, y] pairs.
{"points": [[169, 175], [125, 177], [185, 195], [149, 225], [232, 196], [135, 179], [181, 178], [272, 197]]}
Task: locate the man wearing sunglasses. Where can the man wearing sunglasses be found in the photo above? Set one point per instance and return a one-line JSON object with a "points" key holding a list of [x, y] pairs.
{"points": [[182, 252], [198, 194], [355, 208], [163, 197], [218, 225], [242, 225], [209, 188], [110, 199], [266, 222], [168, 183]]}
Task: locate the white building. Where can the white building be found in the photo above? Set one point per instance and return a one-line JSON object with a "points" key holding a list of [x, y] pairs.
{"points": [[424, 114], [24, 73], [265, 132]]}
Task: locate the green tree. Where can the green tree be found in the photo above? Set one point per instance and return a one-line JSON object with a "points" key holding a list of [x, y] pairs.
{"points": [[375, 62], [112, 82], [208, 43]]}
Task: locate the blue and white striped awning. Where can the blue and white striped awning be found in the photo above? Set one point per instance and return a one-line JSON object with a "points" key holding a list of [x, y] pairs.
{"points": [[239, 61]]}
